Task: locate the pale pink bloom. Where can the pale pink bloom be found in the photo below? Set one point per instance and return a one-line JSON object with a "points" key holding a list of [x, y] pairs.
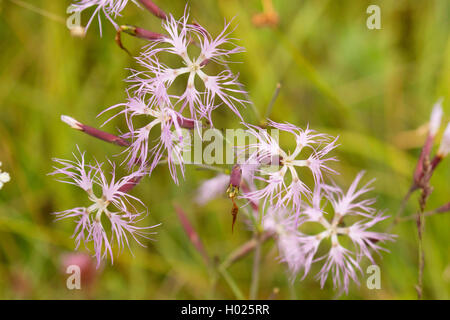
{"points": [[300, 250], [444, 147], [107, 199], [278, 168], [157, 77], [434, 125], [172, 141], [342, 262], [110, 8]]}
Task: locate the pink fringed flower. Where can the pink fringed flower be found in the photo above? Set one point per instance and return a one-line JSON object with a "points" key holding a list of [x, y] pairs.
{"points": [[343, 258], [157, 77], [108, 200], [351, 218], [172, 141], [278, 168], [110, 8]]}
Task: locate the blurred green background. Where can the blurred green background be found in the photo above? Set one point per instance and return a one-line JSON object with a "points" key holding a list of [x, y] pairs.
{"points": [[373, 88]]}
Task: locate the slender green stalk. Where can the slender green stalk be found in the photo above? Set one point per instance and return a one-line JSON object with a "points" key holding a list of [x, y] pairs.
{"points": [[272, 102], [420, 231], [243, 250], [256, 267], [426, 192], [416, 216], [233, 285], [44, 13], [397, 217]]}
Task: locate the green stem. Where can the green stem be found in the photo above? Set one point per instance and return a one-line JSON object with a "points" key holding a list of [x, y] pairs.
{"points": [[243, 250], [256, 266], [397, 217], [233, 285], [272, 102]]}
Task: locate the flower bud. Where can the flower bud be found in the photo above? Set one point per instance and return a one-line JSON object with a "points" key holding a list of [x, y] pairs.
{"points": [[444, 208], [235, 181], [235, 176], [154, 9], [140, 33], [96, 133], [444, 148], [436, 117], [74, 124], [434, 124]]}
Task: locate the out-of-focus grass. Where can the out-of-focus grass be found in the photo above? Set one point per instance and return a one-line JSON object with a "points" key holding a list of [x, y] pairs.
{"points": [[372, 88]]}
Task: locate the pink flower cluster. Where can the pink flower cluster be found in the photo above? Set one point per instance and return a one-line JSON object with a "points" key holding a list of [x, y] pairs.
{"points": [[151, 96], [164, 114], [287, 189], [289, 204], [345, 239]]}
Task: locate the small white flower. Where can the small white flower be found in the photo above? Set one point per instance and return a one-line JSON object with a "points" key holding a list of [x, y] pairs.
{"points": [[4, 177]]}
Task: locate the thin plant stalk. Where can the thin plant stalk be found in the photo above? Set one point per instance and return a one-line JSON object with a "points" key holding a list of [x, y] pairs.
{"points": [[233, 285], [256, 268], [244, 250], [426, 191], [398, 215], [272, 101]]}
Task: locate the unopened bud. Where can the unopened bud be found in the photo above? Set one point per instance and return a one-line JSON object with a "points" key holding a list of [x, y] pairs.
{"points": [[130, 184], [186, 123], [235, 181], [154, 9], [96, 133], [444, 208], [235, 176], [444, 148], [436, 117], [140, 32], [72, 122]]}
